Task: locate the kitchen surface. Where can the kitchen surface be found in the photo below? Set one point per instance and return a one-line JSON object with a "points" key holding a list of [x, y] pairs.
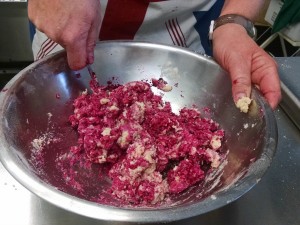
{"points": [[275, 200]]}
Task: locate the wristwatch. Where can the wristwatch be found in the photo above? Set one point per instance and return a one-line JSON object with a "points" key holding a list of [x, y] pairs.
{"points": [[233, 18]]}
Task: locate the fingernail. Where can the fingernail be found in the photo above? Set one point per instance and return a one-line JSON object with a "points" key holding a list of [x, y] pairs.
{"points": [[240, 95]]}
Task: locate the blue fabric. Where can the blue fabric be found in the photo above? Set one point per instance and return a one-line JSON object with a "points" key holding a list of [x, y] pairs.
{"points": [[203, 22], [31, 30]]}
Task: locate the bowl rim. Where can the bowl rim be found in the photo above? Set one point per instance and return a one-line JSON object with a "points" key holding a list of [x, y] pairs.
{"points": [[111, 213]]}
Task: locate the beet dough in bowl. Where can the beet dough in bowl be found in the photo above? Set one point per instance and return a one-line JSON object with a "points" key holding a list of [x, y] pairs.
{"points": [[39, 145]]}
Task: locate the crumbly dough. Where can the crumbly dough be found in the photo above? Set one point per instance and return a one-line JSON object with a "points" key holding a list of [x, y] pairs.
{"points": [[152, 152], [243, 104], [161, 84]]}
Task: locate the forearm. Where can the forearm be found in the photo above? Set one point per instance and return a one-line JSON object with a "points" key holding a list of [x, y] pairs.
{"points": [[248, 8]]}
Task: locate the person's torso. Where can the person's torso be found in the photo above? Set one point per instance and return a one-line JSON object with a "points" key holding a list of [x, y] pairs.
{"points": [[182, 23], [174, 22]]}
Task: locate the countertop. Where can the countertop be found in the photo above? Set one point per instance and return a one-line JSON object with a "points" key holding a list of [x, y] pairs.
{"points": [[289, 71], [275, 200]]}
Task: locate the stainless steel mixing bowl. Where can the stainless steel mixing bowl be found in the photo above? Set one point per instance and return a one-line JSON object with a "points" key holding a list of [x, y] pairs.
{"points": [[36, 104]]}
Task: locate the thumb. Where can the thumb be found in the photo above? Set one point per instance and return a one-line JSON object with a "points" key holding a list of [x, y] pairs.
{"points": [[240, 74], [77, 53], [93, 37]]}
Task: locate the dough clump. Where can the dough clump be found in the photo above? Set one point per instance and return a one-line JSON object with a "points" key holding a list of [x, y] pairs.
{"points": [[243, 104]]}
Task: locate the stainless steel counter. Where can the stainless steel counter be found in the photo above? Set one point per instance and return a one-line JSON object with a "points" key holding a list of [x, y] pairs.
{"points": [[289, 70], [275, 200]]}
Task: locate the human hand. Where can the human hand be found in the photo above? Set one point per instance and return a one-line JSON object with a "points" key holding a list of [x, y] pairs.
{"points": [[74, 24], [246, 63]]}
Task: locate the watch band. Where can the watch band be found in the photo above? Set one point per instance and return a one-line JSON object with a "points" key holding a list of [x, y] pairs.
{"points": [[233, 18]]}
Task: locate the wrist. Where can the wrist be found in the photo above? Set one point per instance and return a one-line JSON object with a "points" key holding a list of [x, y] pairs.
{"points": [[235, 21]]}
